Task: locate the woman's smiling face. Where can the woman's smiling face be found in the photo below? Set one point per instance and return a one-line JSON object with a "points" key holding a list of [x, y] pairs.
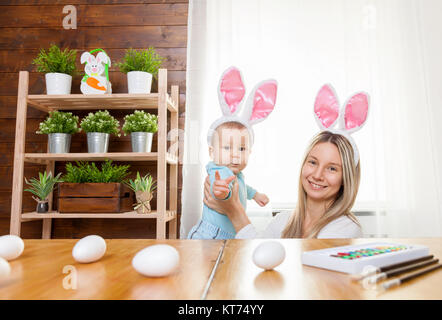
{"points": [[321, 174]]}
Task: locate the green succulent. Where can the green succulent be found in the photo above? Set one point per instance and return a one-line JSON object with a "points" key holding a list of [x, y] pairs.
{"points": [[43, 186], [145, 184], [147, 60], [56, 60], [100, 121], [85, 172], [59, 122], [140, 121]]}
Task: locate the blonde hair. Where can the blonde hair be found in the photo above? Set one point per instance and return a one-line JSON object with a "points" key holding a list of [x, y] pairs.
{"points": [[345, 197]]}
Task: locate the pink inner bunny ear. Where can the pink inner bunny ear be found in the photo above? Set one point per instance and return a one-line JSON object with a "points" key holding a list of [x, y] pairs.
{"points": [[89, 59], [326, 106], [356, 111], [264, 100], [232, 88]]}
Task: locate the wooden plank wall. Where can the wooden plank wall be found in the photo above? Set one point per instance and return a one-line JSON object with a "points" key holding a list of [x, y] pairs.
{"points": [[113, 25]]}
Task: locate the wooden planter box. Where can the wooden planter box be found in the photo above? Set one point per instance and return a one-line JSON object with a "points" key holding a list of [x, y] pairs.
{"points": [[94, 198]]}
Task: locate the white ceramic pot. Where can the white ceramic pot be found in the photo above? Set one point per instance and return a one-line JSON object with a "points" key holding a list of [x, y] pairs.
{"points": [[139, 82], [58, 83]]}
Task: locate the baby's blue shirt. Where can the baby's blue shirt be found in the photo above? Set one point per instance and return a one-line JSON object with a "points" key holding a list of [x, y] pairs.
{"points": [[245, 193]]}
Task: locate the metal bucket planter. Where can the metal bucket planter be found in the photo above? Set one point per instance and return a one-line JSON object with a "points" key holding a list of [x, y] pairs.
{"points": [[59, 142], [97, 142], [141, 141]]}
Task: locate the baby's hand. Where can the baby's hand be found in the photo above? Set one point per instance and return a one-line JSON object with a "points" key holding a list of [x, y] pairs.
{"points": [[261, 199], [221, 187]]}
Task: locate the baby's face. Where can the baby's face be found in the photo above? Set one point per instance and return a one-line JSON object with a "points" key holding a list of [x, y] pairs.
{"points": [[231, 148]]}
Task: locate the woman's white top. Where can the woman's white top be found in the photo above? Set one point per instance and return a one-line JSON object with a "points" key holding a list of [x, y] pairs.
{"points": [[342, 227]]}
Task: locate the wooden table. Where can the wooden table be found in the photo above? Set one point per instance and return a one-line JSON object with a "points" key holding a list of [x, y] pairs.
{"points": [[38, 272], [209, 269], [237, 277]]}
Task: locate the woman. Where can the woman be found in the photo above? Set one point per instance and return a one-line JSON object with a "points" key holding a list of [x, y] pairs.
{"points": [[328, 185]]}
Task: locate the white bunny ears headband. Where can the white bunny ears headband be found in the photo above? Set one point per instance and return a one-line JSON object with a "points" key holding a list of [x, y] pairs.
{"points": [[231, 92], [350, 118]]}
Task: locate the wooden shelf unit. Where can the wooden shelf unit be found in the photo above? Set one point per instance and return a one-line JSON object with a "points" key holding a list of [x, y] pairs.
{"points": [[120, 101]]}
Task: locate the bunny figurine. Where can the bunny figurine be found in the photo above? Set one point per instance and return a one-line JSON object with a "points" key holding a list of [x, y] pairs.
{"points": [[94, 82], [230, 139], [350, 118]]}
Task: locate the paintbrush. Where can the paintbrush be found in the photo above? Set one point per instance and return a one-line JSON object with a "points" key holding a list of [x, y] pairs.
{"points": [[397, 282], [397, 271], [374, 270]]}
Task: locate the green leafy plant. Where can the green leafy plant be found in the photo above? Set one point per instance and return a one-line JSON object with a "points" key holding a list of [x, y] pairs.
{"points": [[145, 184], [59, 122], [100, 121], [43, 186], [56, 60], [140, 121], [85, 172], [147, 60]]}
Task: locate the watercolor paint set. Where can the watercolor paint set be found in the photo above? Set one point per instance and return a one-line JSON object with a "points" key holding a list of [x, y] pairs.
{"points": [[354, 258]]}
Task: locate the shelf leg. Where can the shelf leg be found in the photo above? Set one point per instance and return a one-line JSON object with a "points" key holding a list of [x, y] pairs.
{"points": [[162, 148], [46, 229], [47, 223], [173, 195], [161, 229], [19, 154], [173, 171]]}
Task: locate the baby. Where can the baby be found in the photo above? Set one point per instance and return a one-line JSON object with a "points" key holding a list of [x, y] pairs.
{"points": [[230, 140], [230, 152]]}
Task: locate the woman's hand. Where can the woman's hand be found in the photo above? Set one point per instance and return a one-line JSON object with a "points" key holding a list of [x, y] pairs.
{"points": [[231, 207]]}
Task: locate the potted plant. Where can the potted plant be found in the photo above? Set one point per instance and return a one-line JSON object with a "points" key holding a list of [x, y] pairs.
{"points": [[98, 127], [87, 188], [143, 188], [59, 126], [42, 188], [58, 66], [140, 66], [141, 126]]}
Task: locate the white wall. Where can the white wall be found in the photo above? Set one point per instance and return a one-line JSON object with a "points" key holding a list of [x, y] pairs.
{"points": [[430, 15]]}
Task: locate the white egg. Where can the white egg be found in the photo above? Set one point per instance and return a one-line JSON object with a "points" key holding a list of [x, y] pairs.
{"points": [[269, 255], [11, 247], [5, 268], [89, 249], [158, 260]]}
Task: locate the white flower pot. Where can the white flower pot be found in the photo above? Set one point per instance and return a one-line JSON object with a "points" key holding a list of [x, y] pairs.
{"points": [[139, 82], [58, 83]]}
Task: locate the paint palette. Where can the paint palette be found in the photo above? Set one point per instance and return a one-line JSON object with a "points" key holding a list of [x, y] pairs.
{"points": [[354, 258]]}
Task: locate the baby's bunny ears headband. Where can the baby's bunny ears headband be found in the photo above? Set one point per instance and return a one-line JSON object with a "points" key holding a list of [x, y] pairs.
{"points": [[350, 118], [231, 92]]}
